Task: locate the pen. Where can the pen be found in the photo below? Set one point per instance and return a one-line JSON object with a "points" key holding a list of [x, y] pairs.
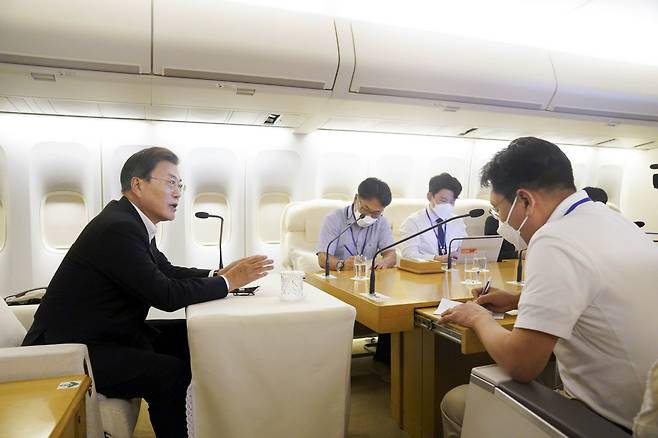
{"points": [[487, 286]]}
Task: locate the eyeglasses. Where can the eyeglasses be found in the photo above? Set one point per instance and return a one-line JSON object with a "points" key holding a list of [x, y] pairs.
{"points": [[173, 184], [495, 212]]}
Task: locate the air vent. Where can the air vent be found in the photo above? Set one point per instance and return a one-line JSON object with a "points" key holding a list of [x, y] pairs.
{"points": [[245, 91], [271, 119], [468, 131], [50, 77], [605, 141]]}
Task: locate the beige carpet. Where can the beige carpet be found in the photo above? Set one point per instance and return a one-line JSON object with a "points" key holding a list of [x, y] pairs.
{"points": [[369, 416]]}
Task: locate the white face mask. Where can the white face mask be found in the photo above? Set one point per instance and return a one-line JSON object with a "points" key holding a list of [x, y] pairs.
{"points": [[444, 211], [365, 221], [510, 234]]}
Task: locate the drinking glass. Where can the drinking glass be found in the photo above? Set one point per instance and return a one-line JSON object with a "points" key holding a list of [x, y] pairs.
{"points": [[292, 285], [360, 268]]}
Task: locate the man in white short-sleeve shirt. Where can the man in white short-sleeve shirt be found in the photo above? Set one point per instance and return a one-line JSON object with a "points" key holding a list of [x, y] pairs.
{"points": [[591, 290]]}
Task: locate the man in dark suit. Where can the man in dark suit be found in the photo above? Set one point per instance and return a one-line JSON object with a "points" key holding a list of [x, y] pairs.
{"points": [[111, 276]]}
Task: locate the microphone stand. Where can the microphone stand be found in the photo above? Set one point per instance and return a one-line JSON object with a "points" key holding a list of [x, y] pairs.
{"points": [[372, 294], [519, 270], [204, 215], [219, 244], [465, 238], [326, 258]]}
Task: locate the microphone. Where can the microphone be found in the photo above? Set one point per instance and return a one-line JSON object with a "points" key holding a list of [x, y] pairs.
{"points": [[466, 238], [473, 213], [519, 267], [326, 258], [204, 215]]}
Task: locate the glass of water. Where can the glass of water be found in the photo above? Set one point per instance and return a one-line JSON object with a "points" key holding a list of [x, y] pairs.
{"points": [[292, 285], [360, 267], [480, 263]]}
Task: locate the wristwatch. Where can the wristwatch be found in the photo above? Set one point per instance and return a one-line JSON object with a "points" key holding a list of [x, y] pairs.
{"points": [[340, 264]]}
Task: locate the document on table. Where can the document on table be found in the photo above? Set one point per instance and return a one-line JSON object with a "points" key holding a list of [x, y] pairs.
{"points": [[446, 304]]}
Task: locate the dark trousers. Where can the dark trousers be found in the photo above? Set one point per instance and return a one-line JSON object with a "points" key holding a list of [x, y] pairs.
{"points": [[383, 351], [159, 373]]}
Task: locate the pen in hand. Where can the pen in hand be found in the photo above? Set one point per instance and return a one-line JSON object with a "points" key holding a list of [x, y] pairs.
{"points": [[487, 286]]}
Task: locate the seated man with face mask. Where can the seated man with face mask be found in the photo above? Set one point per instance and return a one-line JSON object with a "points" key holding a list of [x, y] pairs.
{"points": [[365, 236], [444, 189], [589, 295]]}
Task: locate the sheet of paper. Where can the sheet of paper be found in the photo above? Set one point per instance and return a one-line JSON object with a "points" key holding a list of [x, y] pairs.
{"points": [[445, 304]]}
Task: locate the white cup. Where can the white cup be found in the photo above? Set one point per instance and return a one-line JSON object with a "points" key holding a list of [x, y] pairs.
{"points": [[292, 285]]}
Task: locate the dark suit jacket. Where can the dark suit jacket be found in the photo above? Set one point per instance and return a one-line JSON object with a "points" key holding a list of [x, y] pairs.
{"points": [[108, 280]]}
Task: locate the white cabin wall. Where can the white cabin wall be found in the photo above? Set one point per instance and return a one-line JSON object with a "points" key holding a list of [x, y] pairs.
{"points": [[241, 166], [639, 198]]}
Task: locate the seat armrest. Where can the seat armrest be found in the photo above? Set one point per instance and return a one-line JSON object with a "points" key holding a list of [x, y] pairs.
{"points": [[25, 313], [571, 417], [43, 361]]}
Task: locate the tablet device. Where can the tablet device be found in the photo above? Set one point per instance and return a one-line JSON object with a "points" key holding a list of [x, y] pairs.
{"points": [[487, 246]]}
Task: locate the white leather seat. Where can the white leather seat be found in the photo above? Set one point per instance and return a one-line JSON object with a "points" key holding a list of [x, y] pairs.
{"points": [[301, 223], [107, 417], [645, 424], [474, 226], [300, 228]]}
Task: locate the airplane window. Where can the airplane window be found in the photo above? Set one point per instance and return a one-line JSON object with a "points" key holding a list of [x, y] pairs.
{"points": [[206, 231], [269, 216], [3, 226], [63, 216]]}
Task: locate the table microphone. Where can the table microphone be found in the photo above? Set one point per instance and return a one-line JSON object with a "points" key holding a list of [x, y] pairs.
{"points": [[326, 258], [204, 215], [519, 267], [477, 212]]}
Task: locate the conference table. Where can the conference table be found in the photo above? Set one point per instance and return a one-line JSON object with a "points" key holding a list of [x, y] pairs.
{"points": [[266, 367], [427, 359]]}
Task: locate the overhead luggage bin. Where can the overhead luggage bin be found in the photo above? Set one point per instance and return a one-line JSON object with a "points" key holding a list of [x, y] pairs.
{"points": [[394, 61], [77, 34], [607, 88], [232, 42]]}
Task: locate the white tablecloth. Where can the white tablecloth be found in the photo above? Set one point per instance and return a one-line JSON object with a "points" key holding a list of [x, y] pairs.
{"points": [[262, 367]]}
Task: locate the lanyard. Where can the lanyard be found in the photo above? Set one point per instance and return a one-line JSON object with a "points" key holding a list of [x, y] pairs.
{"points": [[440, 233], [576, 204], [354, 241]]}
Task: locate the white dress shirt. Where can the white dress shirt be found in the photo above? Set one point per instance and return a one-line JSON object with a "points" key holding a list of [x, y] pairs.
{"points": [[425, 246]]}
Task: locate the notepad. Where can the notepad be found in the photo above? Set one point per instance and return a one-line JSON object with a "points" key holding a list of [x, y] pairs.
{"points": [[446, 304]]}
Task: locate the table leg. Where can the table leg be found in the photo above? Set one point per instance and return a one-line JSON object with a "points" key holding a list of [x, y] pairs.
{"points": [[432, 366], [396, 377]]}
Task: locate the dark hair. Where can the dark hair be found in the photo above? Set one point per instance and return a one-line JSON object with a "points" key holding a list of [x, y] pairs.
{"points": [[141, 164], [375, 188], [445, 181], [530, 163], [597, 194]]}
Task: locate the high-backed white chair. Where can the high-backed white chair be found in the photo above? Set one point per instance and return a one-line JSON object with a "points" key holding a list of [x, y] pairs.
{"points": [[474, 226], [399, 210], [106, 417], [300, 228]]}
